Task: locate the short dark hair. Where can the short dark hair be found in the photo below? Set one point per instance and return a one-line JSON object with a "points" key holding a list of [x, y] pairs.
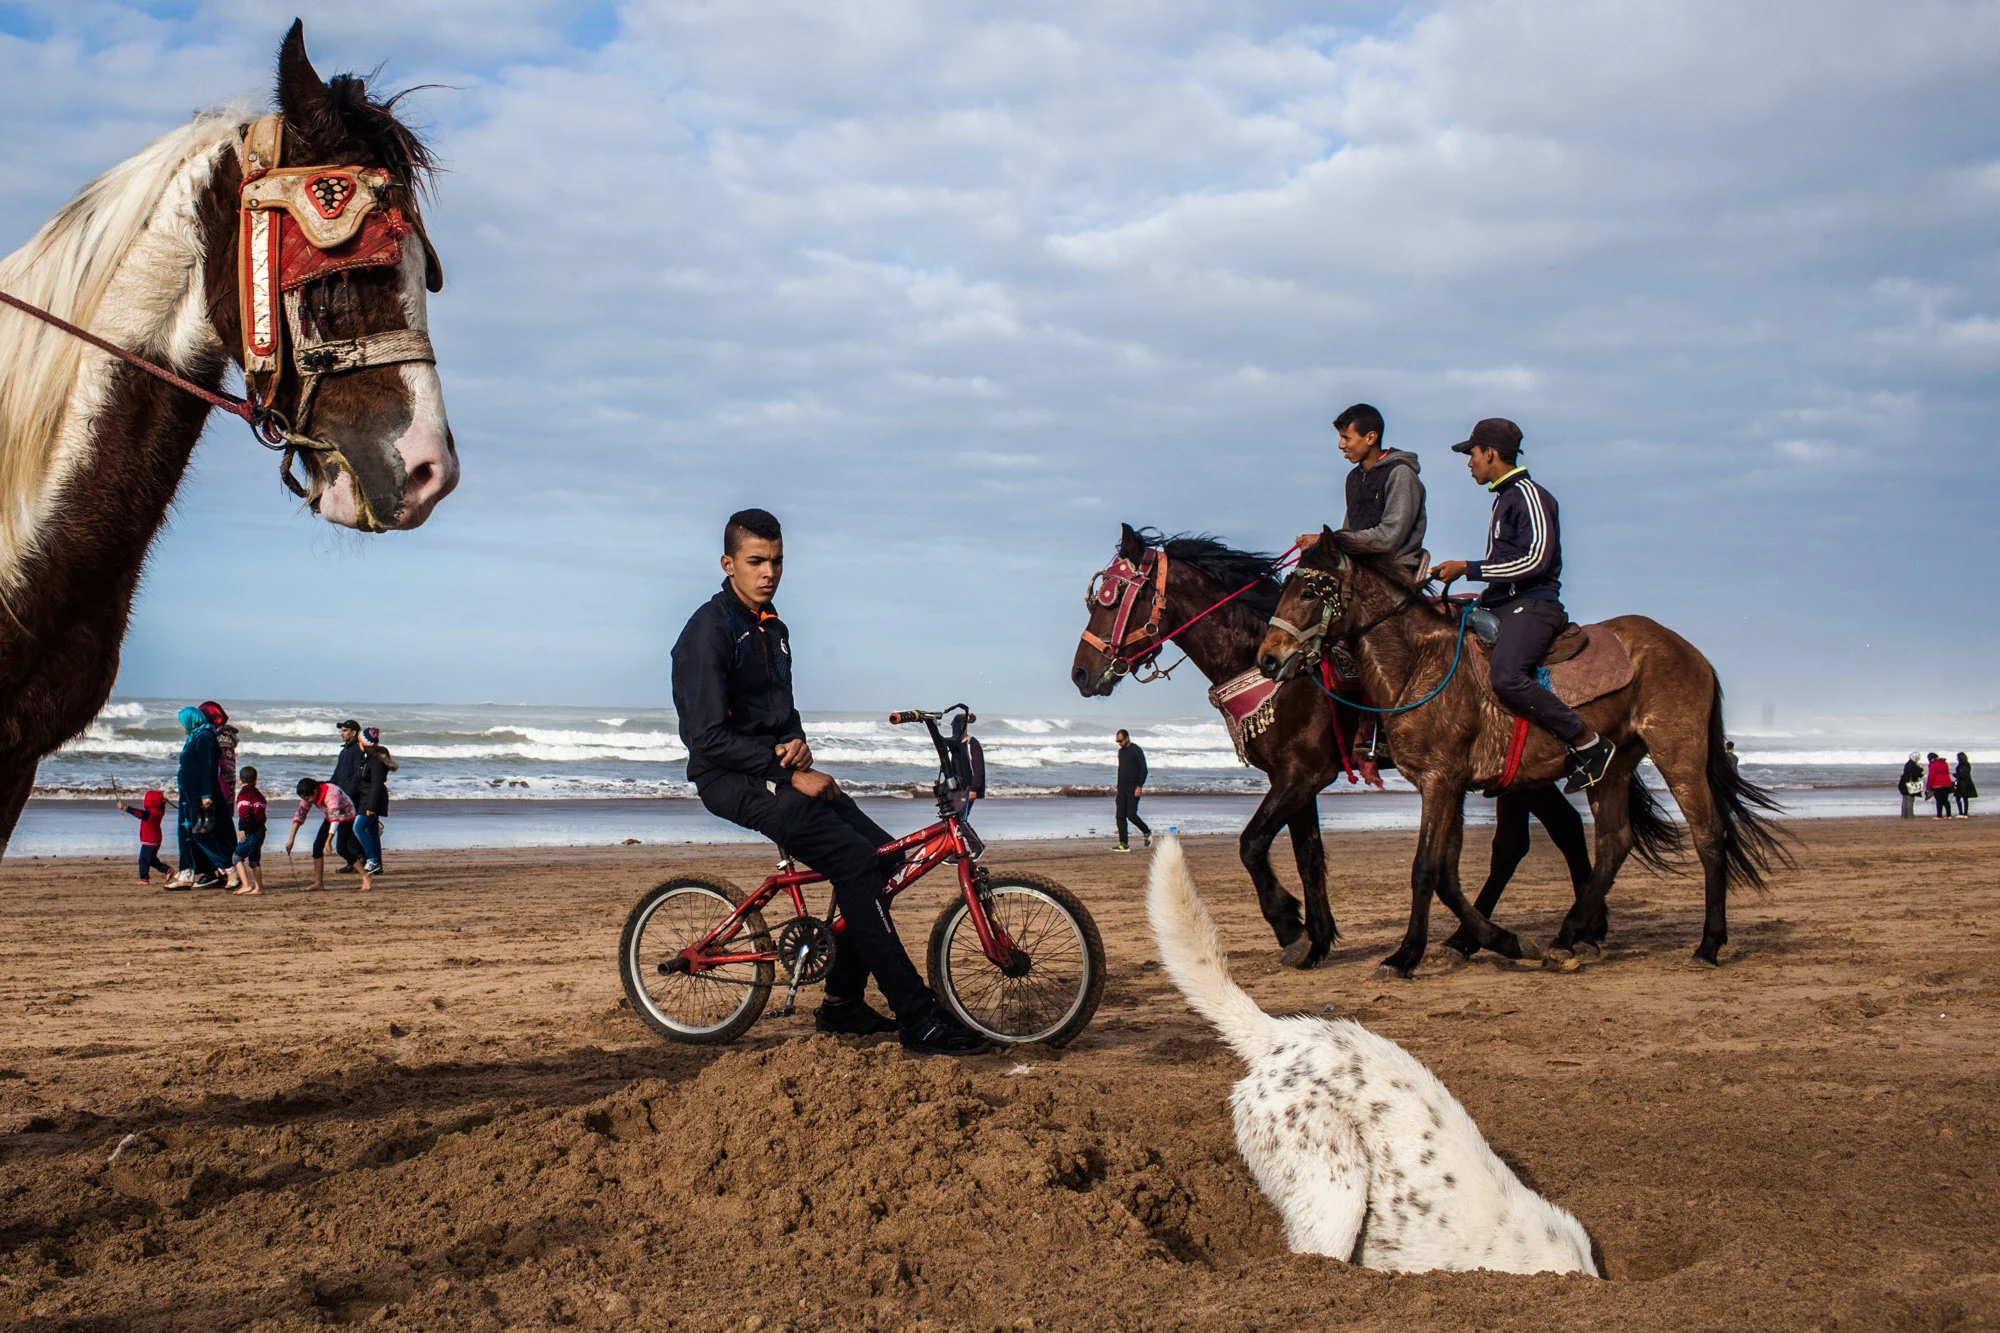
{"points": [[308, 787], [1122, 732], [759, 523], [1363, 418], [249, 775]]}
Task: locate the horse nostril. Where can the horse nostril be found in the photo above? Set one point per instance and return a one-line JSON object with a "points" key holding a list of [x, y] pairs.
{"points": [[420, 478], [1267, 664]]}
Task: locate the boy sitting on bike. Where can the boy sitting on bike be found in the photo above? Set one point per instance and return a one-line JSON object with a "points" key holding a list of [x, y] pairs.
{"points": [[749, 762]]}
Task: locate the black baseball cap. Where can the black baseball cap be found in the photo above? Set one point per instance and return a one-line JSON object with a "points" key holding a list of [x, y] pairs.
{"points": [[349, 725], [1500, 435]]}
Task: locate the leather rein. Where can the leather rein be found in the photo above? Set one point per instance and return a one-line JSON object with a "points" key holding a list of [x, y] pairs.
{"points": [[295, 225], [1326, 589]]}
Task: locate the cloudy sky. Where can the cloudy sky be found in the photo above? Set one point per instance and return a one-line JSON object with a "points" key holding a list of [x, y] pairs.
{"points": [[956, 288]]}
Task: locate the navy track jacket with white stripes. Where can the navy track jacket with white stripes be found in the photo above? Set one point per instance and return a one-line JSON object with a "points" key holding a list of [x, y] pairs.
{"points": [[1523, 547]]}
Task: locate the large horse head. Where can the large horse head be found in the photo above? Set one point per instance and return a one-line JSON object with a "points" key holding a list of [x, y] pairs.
{"points": [[1157, 587], [1332, 594], [321, 292]]}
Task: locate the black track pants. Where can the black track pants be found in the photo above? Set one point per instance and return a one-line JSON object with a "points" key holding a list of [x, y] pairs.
{"points": [[838, 840], [1128, 808], [1528, 625]]}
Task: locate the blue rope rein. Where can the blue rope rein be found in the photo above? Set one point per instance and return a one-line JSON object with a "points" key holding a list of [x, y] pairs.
{"points": [[1458, 651]]}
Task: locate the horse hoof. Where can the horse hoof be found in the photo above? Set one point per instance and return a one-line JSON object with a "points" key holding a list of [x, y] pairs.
{"points": [[1560, 960], [1450, 955], [1531, 952], [1297, 954], [1390, 972], [1706, 960], [1589, 951]]}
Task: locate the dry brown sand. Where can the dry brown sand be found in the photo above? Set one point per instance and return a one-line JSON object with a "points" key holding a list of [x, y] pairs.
{"points": [[427, 1109]]}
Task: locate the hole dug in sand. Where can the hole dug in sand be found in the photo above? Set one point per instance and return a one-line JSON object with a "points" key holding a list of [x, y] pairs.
{"points": [[925, 1170], [1646, 1251]]}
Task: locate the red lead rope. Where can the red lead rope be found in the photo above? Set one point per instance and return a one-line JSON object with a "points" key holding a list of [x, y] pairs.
{"points": [[1287, 557], [229, 403]]}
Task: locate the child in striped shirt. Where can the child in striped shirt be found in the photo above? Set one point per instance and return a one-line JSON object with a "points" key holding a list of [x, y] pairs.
{"points": [[338, 809]]}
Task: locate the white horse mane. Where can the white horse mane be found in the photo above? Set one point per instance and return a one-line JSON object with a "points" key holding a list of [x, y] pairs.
{"points": [[124, 260]]}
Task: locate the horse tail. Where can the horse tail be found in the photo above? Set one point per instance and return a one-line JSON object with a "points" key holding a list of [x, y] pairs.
{"points": [[1656, 839], [1193, 956], [1743, 810]]}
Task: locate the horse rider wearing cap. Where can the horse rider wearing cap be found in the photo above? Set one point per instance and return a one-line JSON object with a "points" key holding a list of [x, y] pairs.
{"points": [[1522, 571]]}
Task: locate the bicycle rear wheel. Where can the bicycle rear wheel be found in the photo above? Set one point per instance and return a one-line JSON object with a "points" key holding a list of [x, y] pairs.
{"points": [[708, 1007], [1057, 996]]}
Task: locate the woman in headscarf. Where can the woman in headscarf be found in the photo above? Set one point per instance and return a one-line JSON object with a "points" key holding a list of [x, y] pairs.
{"points": [[1911, 784], [1962, 786], [207, 828]]}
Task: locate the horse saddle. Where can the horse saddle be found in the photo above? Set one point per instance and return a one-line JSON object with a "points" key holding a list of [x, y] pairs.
{"points": [[1485, 627]]}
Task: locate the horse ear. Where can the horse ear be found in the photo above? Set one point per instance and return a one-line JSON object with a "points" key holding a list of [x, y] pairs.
{"points": [[302, 95], [1130, 544]]}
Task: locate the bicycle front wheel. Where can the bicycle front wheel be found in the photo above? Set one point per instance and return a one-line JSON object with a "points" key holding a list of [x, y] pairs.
{"points": [[1058, 994], [708, 1007]]}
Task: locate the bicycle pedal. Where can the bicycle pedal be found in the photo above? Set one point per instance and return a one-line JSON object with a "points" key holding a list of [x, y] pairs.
{"points": [[786, 1012]]}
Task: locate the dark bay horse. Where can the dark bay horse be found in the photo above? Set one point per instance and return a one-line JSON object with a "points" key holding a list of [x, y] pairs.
{"points": [[292, 245], [1406, 647], [1299, 750]]}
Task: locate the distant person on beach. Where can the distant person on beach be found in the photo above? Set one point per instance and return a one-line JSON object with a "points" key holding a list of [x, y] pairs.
{"points": [[346, 776], [207, 835], [1961, 786], [338, 811], [151, 813], [1385, 500], [225, 748], [1911, 784], [252, 814], [371, 798], [1939, 784], [1729, 748], [1131, 786], [750, 764]]}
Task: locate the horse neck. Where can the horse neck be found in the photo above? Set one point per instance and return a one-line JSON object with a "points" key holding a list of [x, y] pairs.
{"points": [[1223, 643], [1398, 648], [86, 508]]}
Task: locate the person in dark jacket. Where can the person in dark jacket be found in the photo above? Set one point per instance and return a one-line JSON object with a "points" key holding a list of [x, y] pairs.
{"points": [[371, 798], [1962, 786], [1131, 786], [207, 830], [346, 776], [1386, 513], [1522, 571], [1911, 784], [750, 764]]}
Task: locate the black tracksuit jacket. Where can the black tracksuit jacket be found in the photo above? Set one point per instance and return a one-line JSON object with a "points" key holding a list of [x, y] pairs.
{"points": [[1523, 545], [733, 690]]}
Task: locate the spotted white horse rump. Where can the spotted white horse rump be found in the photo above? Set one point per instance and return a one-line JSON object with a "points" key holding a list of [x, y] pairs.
{"points": [[1362, 1151]]}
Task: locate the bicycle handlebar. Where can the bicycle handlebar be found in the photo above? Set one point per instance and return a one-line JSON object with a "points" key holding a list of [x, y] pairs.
{"points": [[902, 715]]}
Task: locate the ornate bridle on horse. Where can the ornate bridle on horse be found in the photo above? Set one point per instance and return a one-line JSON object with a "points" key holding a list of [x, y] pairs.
{"points": [[1120, 584], [297, 225]]}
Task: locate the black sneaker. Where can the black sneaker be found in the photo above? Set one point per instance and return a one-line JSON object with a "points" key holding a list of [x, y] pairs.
{"points": [[207, 882], [850, 1018], [347, 869], [1149, 840], [935, 1032], [1588, 766]]}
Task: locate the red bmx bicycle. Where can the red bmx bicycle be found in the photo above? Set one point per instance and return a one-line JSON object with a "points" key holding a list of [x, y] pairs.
{"points": [[1015, 956]]}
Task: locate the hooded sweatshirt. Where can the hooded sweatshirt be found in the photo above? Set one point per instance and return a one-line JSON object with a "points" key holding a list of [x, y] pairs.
{"points": [[1385, 508]]}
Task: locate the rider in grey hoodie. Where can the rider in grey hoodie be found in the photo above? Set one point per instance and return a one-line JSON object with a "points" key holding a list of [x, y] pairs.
{"points": [[1385, 499]]}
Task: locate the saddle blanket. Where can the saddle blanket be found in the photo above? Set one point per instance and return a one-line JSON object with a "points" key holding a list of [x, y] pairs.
{"points": [[1602, 667], [1247, 707]]}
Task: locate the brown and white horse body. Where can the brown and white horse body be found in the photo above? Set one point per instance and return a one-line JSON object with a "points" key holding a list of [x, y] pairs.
{"points": [[92, 450]]}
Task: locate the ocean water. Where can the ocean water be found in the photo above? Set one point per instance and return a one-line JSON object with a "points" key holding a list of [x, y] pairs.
{"points": [[520, 775]]}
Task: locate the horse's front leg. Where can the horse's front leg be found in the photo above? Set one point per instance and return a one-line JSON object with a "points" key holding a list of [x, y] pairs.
{"points": [[1510, 846], [1449, 838], [1310, 852], [1424, 882], [1280, 908]]}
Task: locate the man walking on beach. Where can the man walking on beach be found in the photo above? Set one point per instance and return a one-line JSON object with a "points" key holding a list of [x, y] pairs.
{"points": [[1131, 786], [346, 775], [750, 764], [1523, 573]]}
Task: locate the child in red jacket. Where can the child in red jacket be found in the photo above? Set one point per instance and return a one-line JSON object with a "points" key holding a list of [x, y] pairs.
{"points": [[150, 815]]}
